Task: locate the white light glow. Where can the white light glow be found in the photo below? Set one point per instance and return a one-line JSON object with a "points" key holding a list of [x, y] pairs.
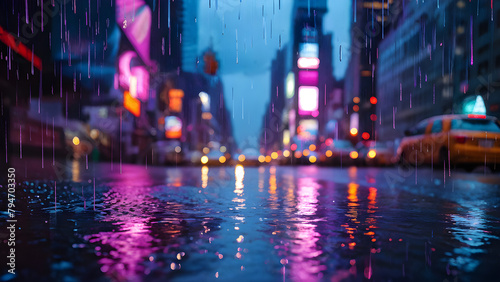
{"points": [[308, 63]]}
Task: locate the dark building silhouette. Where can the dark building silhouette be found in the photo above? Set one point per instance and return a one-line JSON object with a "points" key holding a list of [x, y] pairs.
{"points": [[435, 61], [372, 21], [273, 124]]}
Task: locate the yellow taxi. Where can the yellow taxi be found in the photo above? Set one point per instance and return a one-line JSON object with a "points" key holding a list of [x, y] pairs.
{"points": [[458, 139]]}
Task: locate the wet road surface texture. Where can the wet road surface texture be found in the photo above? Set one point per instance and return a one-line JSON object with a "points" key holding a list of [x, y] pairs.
{"points": [[136, 223]]}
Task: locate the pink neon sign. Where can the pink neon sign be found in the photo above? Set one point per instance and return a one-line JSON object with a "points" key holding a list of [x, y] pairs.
{"points": [[308, 100], [308, 77]]}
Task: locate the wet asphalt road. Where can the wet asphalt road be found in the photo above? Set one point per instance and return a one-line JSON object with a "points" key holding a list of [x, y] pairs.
{"points": [[266, 223]]}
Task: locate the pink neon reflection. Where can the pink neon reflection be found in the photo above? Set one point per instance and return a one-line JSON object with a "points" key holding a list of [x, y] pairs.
{"points": [[304, 265], [308, 63], [130, 208], [308, 77], [308, 100]]}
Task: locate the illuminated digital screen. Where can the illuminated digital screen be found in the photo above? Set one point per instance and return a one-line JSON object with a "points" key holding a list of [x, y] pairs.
{"points": [[132, 104], [308, 100], [134, 79], [308, 50], [175, 100], [308, 63], [173, 127]]}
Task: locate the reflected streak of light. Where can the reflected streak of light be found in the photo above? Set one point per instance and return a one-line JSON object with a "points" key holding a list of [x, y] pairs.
{"points": [[304, 265], [261, 179], [273, 198], [371, 219], [75, 171], [239, 175], [470, 229], [272, 180], [353, 172], [204, 176], [307, 196], [353, 191], [352, 213], [373, 199]]}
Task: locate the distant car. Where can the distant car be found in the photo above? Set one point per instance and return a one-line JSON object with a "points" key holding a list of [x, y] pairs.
{"points": [[378, 153], [462, 139], [340, 152]]}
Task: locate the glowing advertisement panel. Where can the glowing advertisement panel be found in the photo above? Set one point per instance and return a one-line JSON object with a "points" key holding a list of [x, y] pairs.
{"points": [[173, 127], [175, 100], [308, 77], [310, 50], [132, 104], [134, 18], [133, 77], [308, 63], [308, 100]]}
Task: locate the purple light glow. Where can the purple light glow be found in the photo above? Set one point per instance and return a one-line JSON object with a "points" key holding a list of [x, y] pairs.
{"points": [[308, 77]]}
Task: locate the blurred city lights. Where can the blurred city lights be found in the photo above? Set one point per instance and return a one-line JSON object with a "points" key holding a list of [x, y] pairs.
{"points": [[241, 158], [76, 140], [373, 100], [312, 159], [356, 100], [204, 159], [372, 154], [353, 155], [94, 133], [328, 153], [286, 153], [312, 147], [222, 159], [262, 158], [365, 135], [328, 141], [274, 155], [354, 131]]}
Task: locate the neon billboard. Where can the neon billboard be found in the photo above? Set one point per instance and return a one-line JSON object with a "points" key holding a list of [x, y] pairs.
{"points": [[308, 100]]}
